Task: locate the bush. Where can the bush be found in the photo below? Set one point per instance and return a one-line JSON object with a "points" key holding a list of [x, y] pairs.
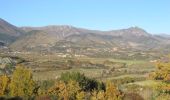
{"points": [[85, 83], [44, 86]]}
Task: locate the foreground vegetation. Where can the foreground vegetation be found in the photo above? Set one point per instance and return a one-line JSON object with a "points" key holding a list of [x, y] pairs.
{"points": [[126, 82], [70, 86], [162, 74]]}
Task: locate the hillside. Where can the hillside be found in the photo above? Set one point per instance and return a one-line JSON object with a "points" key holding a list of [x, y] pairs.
{"points": [[8, 32], [69, 39], [133, 37]]}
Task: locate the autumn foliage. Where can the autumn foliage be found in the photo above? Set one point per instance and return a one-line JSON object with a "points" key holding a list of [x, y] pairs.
{"points": [[162, 74], [22, 83], [71, 86], [4, 83]]}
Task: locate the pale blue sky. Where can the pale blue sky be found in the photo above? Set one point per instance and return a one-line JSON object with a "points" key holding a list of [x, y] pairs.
{"points": [[152, 15]]}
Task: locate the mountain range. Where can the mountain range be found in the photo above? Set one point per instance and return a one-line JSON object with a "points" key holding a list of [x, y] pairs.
{"points": [[62, 38], [8, 32]]}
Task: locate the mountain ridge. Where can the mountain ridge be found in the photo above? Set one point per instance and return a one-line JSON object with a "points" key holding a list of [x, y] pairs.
{"points": [[55, 38], [9, 32]]}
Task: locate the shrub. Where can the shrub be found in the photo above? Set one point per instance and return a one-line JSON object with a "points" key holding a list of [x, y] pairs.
{"points": [[44, 85], [85, 83]]}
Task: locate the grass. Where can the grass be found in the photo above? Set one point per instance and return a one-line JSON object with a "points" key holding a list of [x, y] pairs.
{"points": [[93, 73], [49, 61], [148, 83], [128, 75]]}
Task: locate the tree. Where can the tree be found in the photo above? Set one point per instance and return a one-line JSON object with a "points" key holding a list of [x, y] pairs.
{"points": [[80, 95], [162, 73], [65, 91], [44, 85], [22, 83], [112, 93], [84, 82], [4, 83], [98, 95]]}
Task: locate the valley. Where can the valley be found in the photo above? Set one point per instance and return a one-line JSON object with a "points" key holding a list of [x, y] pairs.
{"points": [[125, 57]]}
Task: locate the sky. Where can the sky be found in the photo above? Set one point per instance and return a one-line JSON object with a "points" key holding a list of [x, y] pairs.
{"points": [[151, 15]]}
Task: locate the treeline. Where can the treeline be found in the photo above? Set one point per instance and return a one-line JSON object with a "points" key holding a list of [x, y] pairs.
{"points": [[70, 86]]}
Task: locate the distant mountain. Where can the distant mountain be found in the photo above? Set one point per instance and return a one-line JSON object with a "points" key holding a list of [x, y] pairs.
{"points": [[40, 38], [132, 31], [167, 36], [8, 32], [49, 37], [63, 38], [61, 31], [34, 39]]}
